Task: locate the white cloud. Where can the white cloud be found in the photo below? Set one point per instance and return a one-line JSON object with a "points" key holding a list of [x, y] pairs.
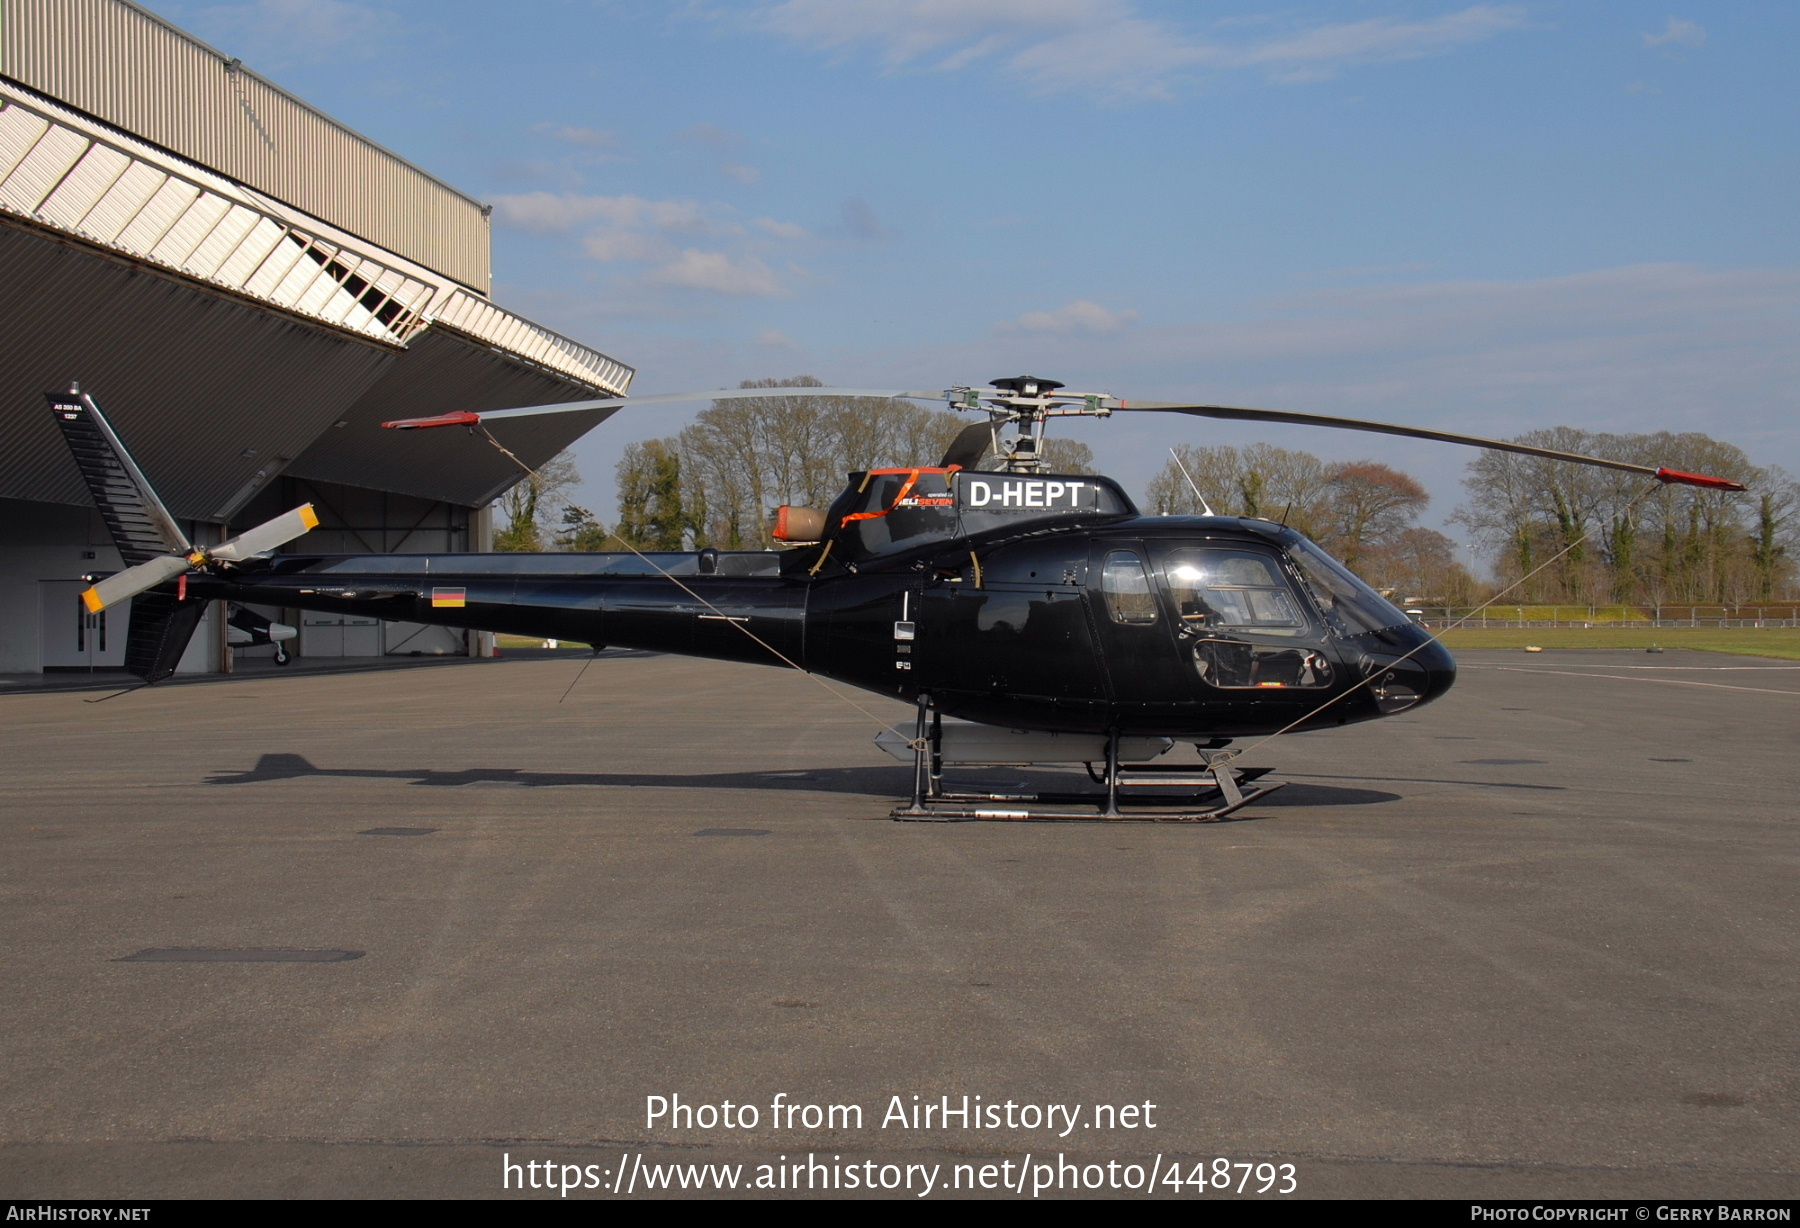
{"points": [[554, 213], [909, 29], [286, 31], [1077, 318], [738, 171], [610, 244], [775, 339], [745, 276], [593, 138], [631, 229], [1108, 48], [1321, 51], [1677, 33], [781, 230], [1121, 59]]}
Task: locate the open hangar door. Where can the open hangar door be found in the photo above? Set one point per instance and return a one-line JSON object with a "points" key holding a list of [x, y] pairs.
{"points": [[354, 520]]}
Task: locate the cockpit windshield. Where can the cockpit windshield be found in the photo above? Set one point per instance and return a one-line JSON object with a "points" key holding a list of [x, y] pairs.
{"points": [[1349, 605]]}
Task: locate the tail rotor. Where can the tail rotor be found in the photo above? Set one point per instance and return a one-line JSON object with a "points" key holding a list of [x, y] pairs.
{"points": [[150, 541]]}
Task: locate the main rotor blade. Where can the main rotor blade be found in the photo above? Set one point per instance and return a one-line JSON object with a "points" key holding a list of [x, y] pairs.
{"points": [[266, 536], [124, 585], [469, 418], [971, 444], [1232, 413]]}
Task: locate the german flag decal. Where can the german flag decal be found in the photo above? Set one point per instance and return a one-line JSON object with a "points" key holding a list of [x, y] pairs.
{"points": [[449, 598]]}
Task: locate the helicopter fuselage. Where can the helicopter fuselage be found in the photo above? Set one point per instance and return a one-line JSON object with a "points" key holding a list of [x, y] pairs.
{"points": [[1187, 627]]}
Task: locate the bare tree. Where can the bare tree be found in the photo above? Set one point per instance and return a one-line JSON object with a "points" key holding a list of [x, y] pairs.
{"points": [[1644, 542], [533, 502], [1420, 564], [1068, 455], [724, 475], [1260, 480], [1367, 506]]}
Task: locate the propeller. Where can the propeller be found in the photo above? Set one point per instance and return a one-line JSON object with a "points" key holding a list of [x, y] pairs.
{"points": [[122, 586], [1029, 397]]}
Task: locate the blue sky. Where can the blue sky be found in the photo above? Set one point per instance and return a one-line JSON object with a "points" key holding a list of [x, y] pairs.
{"points": [[1485, 218]]}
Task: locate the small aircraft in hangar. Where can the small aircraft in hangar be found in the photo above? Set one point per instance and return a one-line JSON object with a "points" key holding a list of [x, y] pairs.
{"points": [[1041, 613]]}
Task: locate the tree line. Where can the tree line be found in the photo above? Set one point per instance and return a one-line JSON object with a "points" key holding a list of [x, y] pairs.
{"points": [[718, 481], [1621, 537], [1634, 540], [1363, 512]]}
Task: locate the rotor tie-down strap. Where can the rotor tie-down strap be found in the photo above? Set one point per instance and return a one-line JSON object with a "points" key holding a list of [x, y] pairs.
{"points": [[912, 479]]}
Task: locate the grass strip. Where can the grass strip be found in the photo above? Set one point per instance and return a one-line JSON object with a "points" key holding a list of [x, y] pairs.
{"points": [[1783, 642]]}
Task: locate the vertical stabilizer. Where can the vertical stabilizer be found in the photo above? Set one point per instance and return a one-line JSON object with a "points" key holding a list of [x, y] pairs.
{"points": [[140, 525], [161, 626]]}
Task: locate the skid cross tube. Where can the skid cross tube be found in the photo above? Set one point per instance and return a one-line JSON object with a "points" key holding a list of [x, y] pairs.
{"points": [[1216, 781]]}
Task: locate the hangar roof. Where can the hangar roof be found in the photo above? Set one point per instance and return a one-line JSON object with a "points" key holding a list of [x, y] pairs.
{"points": [[62, 170], [233, 338]]}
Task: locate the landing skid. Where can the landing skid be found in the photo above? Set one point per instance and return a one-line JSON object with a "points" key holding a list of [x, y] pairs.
{"points": [[1133, 794]]}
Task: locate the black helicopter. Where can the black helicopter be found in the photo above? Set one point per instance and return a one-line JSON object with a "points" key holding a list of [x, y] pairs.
{"points": [[1040, 612]]}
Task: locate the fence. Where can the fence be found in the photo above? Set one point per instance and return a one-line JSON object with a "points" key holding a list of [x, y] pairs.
{"points": [[1614, 616]]}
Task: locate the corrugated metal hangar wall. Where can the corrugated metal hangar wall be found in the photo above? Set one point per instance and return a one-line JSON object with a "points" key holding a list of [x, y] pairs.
{"points": [[128, 67], [248, 289]]}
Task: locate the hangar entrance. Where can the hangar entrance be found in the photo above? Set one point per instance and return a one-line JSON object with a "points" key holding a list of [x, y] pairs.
{"points": [[73, 640], [339, 635], [356, 520]]}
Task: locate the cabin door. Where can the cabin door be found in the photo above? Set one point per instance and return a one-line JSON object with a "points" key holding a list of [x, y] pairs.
{"points": [[1143, 662]]}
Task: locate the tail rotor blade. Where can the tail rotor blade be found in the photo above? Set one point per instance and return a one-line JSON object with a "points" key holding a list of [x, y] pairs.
{"points": [[124, 585], [267, 536]]}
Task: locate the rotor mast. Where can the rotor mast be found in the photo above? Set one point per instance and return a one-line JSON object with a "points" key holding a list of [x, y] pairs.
{"points": [[1026, 403]]}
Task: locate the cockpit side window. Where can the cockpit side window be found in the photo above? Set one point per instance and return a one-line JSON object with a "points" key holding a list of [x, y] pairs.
{"points": [[1216, 589], [1129, 598], [1243, 620]]}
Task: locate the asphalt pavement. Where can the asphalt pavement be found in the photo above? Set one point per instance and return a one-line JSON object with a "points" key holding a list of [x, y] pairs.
{"points": [[382, 934]]}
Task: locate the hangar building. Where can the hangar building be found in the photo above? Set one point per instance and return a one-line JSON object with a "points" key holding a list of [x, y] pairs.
{"points": [[248, 289]]}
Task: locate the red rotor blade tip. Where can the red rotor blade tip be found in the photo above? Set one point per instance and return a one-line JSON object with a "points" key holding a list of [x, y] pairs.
{"points": [[460, 418], [1697, 479]]}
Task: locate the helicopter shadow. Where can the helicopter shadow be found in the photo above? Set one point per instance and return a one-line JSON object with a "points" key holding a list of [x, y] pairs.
{"points": [[878, 782]]}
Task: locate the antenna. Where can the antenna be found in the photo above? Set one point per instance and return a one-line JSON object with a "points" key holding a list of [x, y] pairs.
{"points": [[1205, 506]]}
